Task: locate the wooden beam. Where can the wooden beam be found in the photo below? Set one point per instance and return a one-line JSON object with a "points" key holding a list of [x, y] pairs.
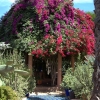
{"points": [[59, 75]]}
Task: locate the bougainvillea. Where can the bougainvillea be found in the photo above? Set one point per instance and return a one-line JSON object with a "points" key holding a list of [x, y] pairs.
{"points": [[46, 27]]}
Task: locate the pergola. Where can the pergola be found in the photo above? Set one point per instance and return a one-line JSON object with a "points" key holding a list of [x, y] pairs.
{"points": [[48, 27]]}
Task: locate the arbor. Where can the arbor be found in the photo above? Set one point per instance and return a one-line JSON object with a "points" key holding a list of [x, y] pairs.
{"points": [[96, 73]]}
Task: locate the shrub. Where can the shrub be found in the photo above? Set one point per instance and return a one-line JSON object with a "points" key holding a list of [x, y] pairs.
{"points": [[18, 79], [79, 80], [13, 72], [6, 93], [31, 84]]}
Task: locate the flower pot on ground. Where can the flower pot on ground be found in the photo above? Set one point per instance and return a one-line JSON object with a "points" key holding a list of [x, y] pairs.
{"points": [[39, 82], [67, 92]]}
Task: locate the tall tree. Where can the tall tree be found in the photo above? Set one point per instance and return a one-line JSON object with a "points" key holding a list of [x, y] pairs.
{"points": [[96, 74]]}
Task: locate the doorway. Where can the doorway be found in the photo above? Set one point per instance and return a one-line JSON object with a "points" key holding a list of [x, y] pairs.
{"points": [[40, 72]]}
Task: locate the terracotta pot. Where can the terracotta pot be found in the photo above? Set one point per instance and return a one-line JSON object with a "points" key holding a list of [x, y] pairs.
{"points": [[39, 82]]}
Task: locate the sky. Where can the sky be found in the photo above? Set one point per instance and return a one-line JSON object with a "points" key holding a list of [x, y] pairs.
{"points": [[85, 5]]}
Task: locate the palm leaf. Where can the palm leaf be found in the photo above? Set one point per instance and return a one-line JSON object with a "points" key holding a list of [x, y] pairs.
{"points": [[17, 65], [10, 62], [22, 72], [4, 69], [9, 69]]}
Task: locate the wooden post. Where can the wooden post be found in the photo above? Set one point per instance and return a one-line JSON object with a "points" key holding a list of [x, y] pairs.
{"points": [[30, 62], [26, 58], [59, 75], [72, 62]]}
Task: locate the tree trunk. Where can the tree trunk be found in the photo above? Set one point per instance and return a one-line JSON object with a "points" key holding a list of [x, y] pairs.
{"points": [[96, 73]]}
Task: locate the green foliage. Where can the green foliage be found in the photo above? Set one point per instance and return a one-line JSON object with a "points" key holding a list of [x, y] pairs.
{"points": [[65, 64], [13, 78], [79, 80], [18, 84], [31, 84], [1, 83], [18, 78], [6, 93]]}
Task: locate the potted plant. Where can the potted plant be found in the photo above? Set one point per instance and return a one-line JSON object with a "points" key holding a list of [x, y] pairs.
{"points": [[68, 82], [80, 80]]}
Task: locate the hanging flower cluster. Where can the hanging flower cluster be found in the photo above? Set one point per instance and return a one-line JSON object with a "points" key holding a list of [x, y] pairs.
{"points": [[51, 26]]}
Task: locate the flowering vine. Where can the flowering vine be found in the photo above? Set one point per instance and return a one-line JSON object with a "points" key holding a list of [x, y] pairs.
{"points": [[46, 27]]}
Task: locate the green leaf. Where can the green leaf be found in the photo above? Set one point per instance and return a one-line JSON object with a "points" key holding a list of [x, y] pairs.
{"points": [[9, 62], [22, 72], [17, 65], [1, 83]]}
